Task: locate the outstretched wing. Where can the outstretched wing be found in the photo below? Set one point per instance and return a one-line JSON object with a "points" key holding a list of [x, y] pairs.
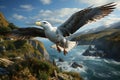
{"points": [[27, 33], [84, 16]]}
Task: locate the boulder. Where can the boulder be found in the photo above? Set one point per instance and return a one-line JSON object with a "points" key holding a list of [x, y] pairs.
{"points": [[5, 62], [61, 60], [62, 76], [75, 65]]}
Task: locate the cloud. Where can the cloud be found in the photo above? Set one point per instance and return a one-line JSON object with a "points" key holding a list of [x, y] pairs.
{"points": [[55, 16], [111, 19], [27, 7], [18, 17], [100, 2], [45, 2], [54, 20], [93, 2]]}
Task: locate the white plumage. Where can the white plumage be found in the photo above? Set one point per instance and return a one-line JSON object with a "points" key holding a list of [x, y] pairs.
{"points": [[55, 35]]}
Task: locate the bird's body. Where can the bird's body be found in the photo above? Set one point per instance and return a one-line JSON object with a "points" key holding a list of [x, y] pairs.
{"points": [[58, 35], [55, 36], [51, 34]]}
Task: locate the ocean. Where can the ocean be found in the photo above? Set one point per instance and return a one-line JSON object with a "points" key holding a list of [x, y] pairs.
{"points": [[94, 68]]}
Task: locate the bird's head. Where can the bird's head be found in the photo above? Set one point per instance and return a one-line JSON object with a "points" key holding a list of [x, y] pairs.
{"points": [[43, 24]]}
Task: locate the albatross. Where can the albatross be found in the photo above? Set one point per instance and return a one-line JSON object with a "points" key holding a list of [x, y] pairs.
{"points": [[59, 35]]}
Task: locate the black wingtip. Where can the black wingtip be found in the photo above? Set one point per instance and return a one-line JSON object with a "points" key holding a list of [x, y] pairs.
{"points": [[110, 4]]}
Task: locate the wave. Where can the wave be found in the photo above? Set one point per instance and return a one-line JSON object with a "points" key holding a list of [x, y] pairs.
{"points": [[94, 68], [111, 61], [117, 73], [66, 66]]}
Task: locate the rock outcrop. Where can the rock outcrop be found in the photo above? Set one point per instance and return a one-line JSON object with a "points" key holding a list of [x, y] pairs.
{"points": [[107, 41], [39, 46], [23, 48], [75, 65], [93, 51]]}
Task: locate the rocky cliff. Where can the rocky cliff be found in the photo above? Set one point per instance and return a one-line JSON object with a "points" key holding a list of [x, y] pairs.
{"points": [[108, 41], [40, 47], [28, 60], [22, 48]]}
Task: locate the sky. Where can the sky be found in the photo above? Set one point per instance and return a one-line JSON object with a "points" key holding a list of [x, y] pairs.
{"points": [[24, 12]]}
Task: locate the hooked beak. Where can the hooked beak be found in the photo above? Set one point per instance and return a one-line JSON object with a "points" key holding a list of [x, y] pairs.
{"points": [[38, 23]]}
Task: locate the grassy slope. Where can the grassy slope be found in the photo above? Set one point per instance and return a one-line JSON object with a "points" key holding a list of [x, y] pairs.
{"points": [[30, 68], [112, 35], [17, 48]]}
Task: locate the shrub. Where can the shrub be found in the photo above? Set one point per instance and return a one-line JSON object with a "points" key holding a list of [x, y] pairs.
{"points": [[10, 47], [19, 43], [12, 26], [42, 70], [4, 30]]}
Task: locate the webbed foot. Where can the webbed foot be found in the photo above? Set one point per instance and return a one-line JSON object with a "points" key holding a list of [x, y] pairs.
{"points": [[65, 52], [58, 49]]}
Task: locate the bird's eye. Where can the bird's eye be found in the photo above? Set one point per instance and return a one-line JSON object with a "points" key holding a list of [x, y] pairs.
{"points": [[44, 22]]}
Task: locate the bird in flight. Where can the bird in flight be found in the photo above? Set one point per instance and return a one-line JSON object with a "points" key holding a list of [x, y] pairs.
{"points": [[59, 35]]}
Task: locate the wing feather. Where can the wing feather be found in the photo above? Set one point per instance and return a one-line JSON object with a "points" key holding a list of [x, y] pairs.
{"points": [[84, 16], [27, 33]]}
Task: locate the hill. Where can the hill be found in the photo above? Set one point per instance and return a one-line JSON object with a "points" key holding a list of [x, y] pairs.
{"points": [[106, 34], [98, 29], [29, 60], [107, 40], [3, 21]]}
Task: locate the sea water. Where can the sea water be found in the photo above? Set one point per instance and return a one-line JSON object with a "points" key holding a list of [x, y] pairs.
{"points": [[94, 68]]}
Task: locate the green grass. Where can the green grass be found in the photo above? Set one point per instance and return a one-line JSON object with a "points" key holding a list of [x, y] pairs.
{"points": [[38, 69], [18, 48]]}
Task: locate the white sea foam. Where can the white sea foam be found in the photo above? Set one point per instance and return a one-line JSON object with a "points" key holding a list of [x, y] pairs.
{"points": [[86, 78], [66, 66], [103, 75], [115, 62], [111, 61], [91, 58], [116, 73]]}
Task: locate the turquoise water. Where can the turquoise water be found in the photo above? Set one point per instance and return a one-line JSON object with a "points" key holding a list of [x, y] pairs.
{"points": [[93, 68]]}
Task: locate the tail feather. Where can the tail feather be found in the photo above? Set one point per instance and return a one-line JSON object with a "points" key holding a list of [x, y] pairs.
{"points": [[71, 45]]}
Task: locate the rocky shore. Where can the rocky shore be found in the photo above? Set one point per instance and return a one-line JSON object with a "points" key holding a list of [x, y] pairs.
{"points": [[107, 43]]}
